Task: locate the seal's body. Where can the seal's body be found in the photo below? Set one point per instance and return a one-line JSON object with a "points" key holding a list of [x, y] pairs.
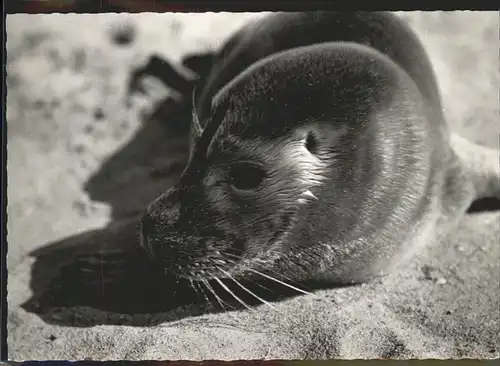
{"points": [[319, 151]]}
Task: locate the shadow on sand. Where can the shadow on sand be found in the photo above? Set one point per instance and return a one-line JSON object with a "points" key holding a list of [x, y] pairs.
{"points": [[105, 269]]}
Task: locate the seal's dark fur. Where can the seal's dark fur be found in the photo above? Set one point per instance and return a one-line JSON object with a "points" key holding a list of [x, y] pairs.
{"points": [[380, 179]]}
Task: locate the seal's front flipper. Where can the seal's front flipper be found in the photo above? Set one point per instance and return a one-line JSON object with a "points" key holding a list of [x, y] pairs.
{"points": [[201, 64], [483, 166], [181, 79], [163, 71], [169, 89]]}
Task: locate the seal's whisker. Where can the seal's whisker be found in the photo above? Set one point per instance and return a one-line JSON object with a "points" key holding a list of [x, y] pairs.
{"points": [[231, 255], [260, 285], [280, 282], [288, 279], [205, 294], [230, 261], [197, 129], [246, 289], [219, 300], [191, 283], [270, 270], [232, 294], [308, 193], [200, 287]]}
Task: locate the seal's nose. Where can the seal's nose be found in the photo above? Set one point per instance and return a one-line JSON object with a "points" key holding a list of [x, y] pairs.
{"points": [[158, 221]]}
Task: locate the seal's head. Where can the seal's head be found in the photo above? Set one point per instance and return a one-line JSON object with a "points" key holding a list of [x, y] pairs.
{"points": [[288, 134]]}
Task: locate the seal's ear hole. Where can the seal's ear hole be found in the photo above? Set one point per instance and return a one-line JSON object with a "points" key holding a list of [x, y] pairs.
{"points": [[246, 176], [311, 143]]}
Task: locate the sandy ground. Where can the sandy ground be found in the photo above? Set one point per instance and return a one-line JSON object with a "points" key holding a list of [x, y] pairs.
{"points": [[81, 165]]}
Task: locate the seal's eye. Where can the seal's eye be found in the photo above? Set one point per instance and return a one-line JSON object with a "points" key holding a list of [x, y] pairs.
{"points": [[311, 143], [246, 176]]}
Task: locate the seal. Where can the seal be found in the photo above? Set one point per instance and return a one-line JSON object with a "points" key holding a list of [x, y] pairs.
{"points": [[319, 151]]}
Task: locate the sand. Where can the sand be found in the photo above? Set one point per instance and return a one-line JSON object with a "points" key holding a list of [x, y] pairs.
{"points": [[81, 166]]}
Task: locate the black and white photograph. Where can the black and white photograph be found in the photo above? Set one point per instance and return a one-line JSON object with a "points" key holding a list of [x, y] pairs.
{"points": [[253, 186]]}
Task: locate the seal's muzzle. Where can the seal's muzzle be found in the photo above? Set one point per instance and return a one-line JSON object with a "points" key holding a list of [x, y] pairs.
{"points": [[160, 217]]}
